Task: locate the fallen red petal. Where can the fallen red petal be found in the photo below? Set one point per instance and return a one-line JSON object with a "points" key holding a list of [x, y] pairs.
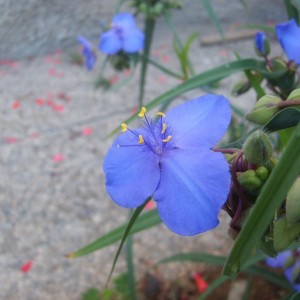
{"points": [[16, 104], [58, 158], [25, 268], [201, 284], [87, 131]]}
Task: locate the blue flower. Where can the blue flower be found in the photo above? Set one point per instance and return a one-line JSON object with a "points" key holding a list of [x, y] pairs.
{"points": [[124, 35], [289, 261], [87, 52], [261, 43], [288, 34], [171, 159]]}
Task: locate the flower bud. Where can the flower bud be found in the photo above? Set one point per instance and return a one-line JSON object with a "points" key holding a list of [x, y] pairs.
{"points": [[262, 44], [262, 173], [264, 109], [258, 149], [241, 87], [294, 95], [293, 203], [249, 180]]}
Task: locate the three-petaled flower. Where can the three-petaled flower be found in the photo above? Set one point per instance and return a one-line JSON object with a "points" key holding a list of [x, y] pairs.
{"points": [[124, 35], [87, 52], [288, 34], [172, 160]]}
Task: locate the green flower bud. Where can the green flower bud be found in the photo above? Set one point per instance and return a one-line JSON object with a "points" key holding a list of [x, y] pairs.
{"points": [[264, 109], [241, 87], [249, 180], [262, 173], [295, 95], [290, 261], [258, 149], [293, 203], [158, 8]]}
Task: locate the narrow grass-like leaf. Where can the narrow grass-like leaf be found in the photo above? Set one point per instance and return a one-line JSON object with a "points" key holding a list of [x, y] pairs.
{"points": [[291, 10], [247, 291], [270, 276], [203, 79], [213, 17], [146, 220], [270, 198]]}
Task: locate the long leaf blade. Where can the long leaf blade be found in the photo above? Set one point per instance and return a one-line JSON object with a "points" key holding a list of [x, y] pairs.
{"points": [[146, 220], [268, 201]]}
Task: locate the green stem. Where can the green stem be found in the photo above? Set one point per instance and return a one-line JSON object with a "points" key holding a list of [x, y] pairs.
{"points": [[149, 30], [130, 265]]}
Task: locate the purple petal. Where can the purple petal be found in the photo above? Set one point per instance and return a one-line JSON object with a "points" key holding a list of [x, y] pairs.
{"points": [[194, 186], [200, 122], [288, 34], [133, 40], [279, 260], [132, 172], [124, 20], [110, 42]]}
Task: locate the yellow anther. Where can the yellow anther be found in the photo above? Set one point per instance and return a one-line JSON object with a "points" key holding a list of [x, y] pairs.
{"points": [[142, 112], [161, 114], [164, 127], [124, 127], [167, 139], [141, 139]]}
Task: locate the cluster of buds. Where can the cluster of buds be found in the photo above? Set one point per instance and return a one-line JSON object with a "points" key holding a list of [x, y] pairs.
{"points": [[250, 168], [155, 8]]}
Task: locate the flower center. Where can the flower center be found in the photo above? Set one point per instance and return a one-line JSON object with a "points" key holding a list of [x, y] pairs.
{"points": [[156, 136]]}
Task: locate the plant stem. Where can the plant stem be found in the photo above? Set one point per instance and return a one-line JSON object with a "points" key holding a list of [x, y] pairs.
{"points": [[149, 30]]}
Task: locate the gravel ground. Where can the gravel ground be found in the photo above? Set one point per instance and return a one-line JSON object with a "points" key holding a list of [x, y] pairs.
{"points": [[53, 201]]}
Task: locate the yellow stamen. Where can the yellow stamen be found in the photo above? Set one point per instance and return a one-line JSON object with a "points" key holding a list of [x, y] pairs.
{"points": [[161, 114], [142, 112], [124, 127], [141, 139], [167, 139], [164, 127]]}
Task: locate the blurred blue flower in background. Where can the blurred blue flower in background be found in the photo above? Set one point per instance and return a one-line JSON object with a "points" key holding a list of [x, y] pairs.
{"points": [[87, 52], [289, 261], [124, 35], [288, 34], [171, 159]]}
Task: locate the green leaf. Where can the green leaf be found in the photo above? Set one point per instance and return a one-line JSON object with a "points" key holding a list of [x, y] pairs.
{"points": [[270, 276], [203, 79], [293, 203], [291, 10], [91, 294], [195, 257], [146, 220], [270, 198], [285, 118], [213, 17]]}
